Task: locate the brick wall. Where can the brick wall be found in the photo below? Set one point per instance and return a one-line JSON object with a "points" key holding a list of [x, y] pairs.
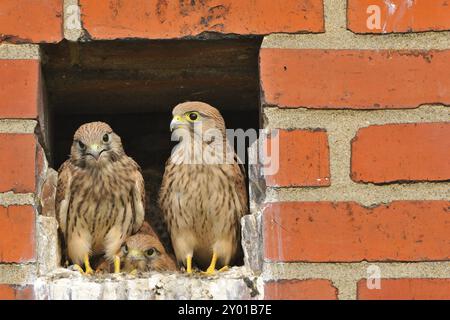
{"points": [[378, 102], [359, 91]]}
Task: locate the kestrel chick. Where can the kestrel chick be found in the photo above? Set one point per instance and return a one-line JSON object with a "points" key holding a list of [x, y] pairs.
{"points": [[203, 201], [144, 252], [100, 196]]}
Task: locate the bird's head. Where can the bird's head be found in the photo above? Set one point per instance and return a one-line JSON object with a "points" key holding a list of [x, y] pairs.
{"points": [[192, 115], [95, 144], [144, 252]]}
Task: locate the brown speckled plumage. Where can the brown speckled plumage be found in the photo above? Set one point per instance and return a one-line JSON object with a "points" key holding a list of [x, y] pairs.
{"points": [[153, 214], [100, 194], [203, 203], [144, 252]]}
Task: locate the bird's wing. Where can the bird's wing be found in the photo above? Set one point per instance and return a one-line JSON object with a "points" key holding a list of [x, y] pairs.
{"points": [[241, 190], [240, 164], [239, 176], [65, 174], [138, 198]]}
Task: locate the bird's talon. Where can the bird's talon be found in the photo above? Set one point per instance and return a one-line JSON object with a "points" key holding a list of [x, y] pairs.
{"points": [[78, 268], [89, 271], [209, 272], [133, 272], [223, 269], [212, 267]]}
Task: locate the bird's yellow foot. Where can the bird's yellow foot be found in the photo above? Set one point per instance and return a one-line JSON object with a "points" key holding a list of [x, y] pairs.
{"points": [[133, 272], [116, 264], [210, 272], [223, 269], [212, 267], [189, 264], [89, 270], [76, 267]]}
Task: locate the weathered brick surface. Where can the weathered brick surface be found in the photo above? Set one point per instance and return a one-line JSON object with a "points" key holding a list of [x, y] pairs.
{"points": [[347, 232], [316, 289], [159, 19], [17, 230], [402, 152], [9, 292], [303, 159], [18, 163], [31, 21], [354, 79], [406, 289], [398, 16], [19, 88]]}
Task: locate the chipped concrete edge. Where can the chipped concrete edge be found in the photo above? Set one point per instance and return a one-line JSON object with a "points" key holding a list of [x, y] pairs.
{"points": [[237, 283], [345, 276], [337, 36]]}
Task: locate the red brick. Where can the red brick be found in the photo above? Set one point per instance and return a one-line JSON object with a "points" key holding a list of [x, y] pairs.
{"points": [[18, 163], [300, 290], [354, 79], [10, 292], [348, 232], [406, 289], [17, 229], [303, 159], [162, 19], [401, 152], [31, 21], [19, 88], [408, 16]]}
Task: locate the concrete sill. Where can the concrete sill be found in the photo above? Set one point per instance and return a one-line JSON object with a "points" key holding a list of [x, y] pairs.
{"points": [[63, 284]]}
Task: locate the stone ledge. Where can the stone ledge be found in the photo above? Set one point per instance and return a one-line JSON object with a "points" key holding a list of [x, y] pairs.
{"points": [[64, 284]]}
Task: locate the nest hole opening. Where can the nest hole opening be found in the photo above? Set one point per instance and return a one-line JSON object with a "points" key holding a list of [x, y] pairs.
{"points": [[133, 86]]}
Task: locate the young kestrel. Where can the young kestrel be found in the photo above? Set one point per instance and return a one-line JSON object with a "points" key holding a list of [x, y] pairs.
{"points": [[100, 196], [144, 252], [203, 198]]}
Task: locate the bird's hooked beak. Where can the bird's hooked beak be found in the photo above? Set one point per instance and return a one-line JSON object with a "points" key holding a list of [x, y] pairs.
{"points": [[135, 255], [176, 122], [95, 151]]}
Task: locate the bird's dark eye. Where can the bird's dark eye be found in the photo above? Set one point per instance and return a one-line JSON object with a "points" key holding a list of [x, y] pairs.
{"points": [[193, 116], [81, 145], [125, 249], [150, 252], [106, 138]]}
